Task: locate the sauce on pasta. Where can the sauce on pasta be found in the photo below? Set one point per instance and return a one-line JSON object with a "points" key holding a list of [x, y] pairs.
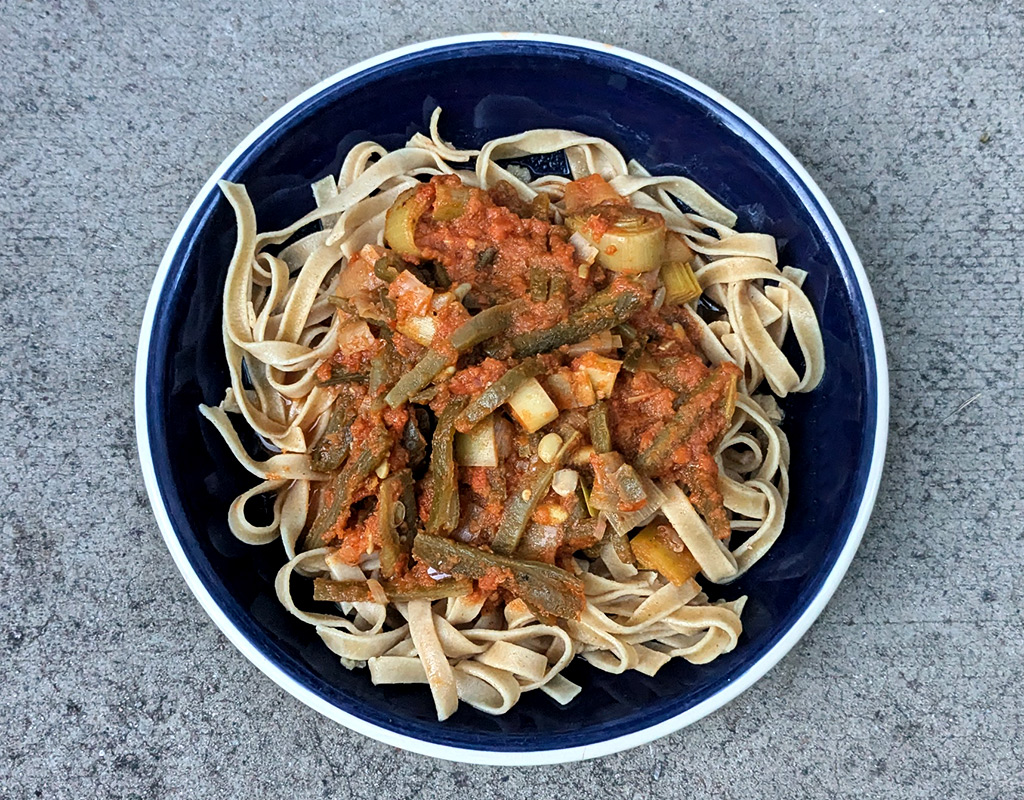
{"points": [[509, 433]]}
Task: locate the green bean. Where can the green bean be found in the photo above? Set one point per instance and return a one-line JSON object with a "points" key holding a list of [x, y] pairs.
{"points": [[491, 398], [484, 325], [441, 277], [537, 541], [538, 285], [652, 460], [333, 446], [604, 310], [489, 322], [546, 589], [345, 483], [419, 376], [444, 508], [325, 589], [387, 304], [384, 369], [392, 489], [497, 486], [424, 397], [411, 519], [340, 375], [446, 587], [600, 433], [559, 285], [628, 331], [522, 506]]}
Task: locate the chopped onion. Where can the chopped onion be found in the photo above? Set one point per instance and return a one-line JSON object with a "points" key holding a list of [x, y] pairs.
{"points": [[604, 343], [478, 448], [582, 389], [571, 388], [560, 387], [601, 373], [531, 406], [415, 294], [585, 251], [604, 494], [420, 329], [354, 335], [625, 522], [356, 278]]}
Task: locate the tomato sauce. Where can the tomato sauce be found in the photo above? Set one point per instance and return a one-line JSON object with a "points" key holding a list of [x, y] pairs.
{"points": [[493, 249], [668, 402], [475, 379]]}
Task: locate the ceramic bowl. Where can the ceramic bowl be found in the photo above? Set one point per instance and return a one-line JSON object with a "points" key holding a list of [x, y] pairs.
{"points": [[490, 86]]}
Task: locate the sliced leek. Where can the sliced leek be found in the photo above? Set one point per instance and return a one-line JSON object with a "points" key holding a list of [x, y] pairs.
{"points": [[681, 285], [628, 240]]}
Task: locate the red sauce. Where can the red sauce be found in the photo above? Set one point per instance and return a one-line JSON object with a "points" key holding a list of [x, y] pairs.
{"points": [[450, 317], [640, 405], [354, 541], [472, 380], [485, 501], [492, 248]]}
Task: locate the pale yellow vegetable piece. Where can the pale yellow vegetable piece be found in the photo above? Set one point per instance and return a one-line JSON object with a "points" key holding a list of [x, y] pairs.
{"points": [[478, 448], [531, 406], [602, 372], [420, 329]]}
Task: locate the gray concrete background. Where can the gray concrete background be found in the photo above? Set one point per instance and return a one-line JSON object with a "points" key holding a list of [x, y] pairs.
{"points": [[115, 684]]}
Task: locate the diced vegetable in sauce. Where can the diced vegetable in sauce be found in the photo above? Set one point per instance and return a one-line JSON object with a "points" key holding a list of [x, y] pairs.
{"points": [[512, 388]]}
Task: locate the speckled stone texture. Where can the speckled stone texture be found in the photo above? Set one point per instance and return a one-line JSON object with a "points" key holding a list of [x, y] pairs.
{"points": [[115, 683]]}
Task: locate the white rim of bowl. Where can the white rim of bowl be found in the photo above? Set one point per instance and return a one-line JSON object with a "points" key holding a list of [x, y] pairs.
{"points": [[535, 757]]}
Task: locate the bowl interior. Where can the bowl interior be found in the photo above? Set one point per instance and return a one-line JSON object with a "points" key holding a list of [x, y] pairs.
{"points": [[487, 90]]}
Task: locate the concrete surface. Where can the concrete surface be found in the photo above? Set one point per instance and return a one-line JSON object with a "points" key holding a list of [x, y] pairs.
{"points": [[115, 684]]}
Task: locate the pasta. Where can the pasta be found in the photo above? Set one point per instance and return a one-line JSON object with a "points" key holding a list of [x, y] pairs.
{"points": [[510, 419]]}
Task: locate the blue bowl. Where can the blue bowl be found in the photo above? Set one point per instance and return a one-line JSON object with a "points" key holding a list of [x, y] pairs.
{"points": [[490, 86]]}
